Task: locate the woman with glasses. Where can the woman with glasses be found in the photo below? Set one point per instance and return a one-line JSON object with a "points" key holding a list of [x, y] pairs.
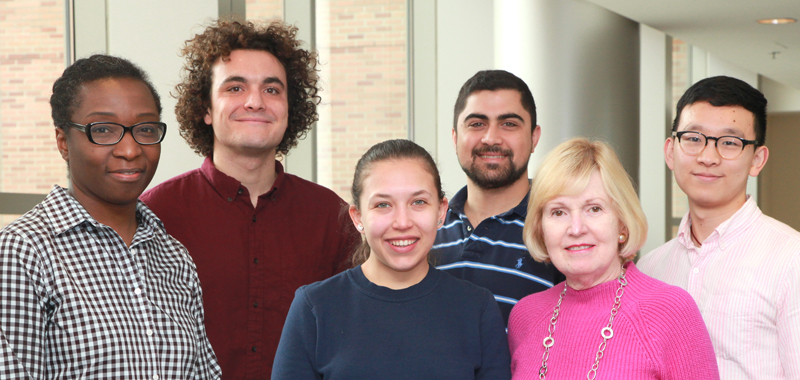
{"points": [[91, 285]]}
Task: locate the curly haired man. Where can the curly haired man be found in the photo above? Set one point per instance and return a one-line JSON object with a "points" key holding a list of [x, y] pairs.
{"points": [[256, 233]]}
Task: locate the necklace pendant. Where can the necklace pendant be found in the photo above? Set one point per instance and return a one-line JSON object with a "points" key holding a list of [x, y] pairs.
{"points": [[607, 333]]}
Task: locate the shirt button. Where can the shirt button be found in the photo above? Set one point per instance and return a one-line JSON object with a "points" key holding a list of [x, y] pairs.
{"points": [[149, 332], [696, 270], [255, 260], [469, 228], [230, 199], [254, 219], [155, 377], [254, 348], [137, 291], [240, 191], [255, 304]]}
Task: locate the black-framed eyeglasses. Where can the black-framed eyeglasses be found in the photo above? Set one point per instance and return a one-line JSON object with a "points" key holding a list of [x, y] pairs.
{"points": [[728, 147], [108, 133]]}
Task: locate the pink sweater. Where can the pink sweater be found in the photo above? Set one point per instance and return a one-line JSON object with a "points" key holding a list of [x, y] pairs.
{"points": [[658, 333]]}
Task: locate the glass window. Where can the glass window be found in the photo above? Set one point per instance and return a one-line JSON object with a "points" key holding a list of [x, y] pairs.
{"points": [[263, 10], [681, 80], [364, 70], [362, 46], [32, 56]]}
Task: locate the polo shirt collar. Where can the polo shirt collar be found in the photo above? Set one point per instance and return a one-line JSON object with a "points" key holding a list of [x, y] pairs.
{"points": [[728, 231], [227, 186], [458, 201]]}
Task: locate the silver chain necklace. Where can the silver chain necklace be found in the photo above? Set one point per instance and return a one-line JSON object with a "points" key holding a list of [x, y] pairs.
{"points": [[607, 332]]}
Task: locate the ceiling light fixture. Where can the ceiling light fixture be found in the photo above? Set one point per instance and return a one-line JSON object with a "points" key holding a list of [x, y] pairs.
{"points": [[777, 21]]}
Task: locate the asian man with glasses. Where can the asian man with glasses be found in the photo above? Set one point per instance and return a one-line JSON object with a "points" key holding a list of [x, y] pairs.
{"points": [[741, 266]]}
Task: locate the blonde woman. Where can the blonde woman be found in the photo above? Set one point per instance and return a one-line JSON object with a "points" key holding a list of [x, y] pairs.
{"points": [[607, 320]]}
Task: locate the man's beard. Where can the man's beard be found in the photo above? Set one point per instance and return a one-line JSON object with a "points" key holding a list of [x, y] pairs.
{"points": [[494, 176]]}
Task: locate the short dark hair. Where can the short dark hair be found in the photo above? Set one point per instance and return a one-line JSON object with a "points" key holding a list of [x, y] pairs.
{"points": [[493, 80], [397, 149], [65, 99], [218, 41], [722, 91]]}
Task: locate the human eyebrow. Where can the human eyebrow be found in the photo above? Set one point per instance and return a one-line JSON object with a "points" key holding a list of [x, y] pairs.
{"points": [[381, 196], [274, 80], [476, 116], [420, 192], [510, 115], [234, 79], [732, 132], [100, 113], [596, 201]]}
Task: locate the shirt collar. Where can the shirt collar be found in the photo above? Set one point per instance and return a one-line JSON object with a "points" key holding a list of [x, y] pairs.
{"points": [[728, 231], [227, 186], [522, 208], [64, 213], [458, 201]]}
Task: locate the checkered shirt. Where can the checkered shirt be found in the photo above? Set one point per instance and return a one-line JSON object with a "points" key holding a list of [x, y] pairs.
{"points": [[76, 302]]}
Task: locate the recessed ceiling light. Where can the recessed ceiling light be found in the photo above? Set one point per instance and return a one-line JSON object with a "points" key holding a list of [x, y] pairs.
{"points": [[777, 21]]}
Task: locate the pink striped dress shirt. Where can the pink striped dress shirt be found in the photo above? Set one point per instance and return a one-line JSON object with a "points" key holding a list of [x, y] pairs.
{"points": [[746, 281]]}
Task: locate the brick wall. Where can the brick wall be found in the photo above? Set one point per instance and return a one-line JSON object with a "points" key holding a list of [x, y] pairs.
{"points": [[681, 80], [32, 46], [262, 10], [364, 64]]}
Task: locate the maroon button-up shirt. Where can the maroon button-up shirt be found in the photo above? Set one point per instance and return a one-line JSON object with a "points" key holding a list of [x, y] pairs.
{"points": [[251, 260]]}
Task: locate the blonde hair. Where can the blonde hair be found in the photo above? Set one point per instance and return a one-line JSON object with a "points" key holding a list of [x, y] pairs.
{"points": [[566, 170]]}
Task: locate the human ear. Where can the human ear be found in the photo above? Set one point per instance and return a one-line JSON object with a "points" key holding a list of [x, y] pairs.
{"points": [[207, 117], [537, 133], [442, 210], [759, 160], [669, 151], [355, 216], [61, 143]]}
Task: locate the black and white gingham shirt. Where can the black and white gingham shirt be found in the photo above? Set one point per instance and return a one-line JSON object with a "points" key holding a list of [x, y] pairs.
{"points": [[76, 302]]}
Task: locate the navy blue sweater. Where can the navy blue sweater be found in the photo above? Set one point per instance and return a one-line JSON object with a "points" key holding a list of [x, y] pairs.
{"points": [[349, 328]]}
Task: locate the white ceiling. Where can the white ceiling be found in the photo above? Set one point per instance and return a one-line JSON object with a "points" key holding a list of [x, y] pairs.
{"points": [[727, 29]]}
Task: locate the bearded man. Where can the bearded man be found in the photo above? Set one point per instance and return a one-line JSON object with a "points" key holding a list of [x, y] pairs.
{"points": [[494, 133]]}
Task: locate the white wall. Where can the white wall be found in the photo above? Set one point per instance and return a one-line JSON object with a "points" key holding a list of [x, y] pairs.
{"points": [[654, 123], [780, 97], [464, 43], [151, 33]]}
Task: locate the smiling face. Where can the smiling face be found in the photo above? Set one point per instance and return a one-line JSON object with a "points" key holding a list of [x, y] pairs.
{"points": [[400, 211], [111, 174], [494, 140], [249, 106], [581, 233], [709, 181]]}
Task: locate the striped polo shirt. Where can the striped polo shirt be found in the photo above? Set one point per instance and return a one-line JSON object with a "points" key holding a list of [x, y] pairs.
{"points": [[492, 255]]}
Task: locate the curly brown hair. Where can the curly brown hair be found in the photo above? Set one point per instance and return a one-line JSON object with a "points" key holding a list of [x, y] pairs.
{"points": [[218, 41]]}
